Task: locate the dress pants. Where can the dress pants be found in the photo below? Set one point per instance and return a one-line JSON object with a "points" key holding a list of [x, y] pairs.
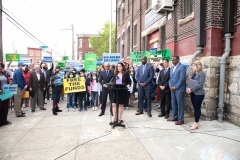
{"points": [[144, 92], [105, 93], [165, 103], [4, 106], [17, 101], [37, 99], [177, 101]]}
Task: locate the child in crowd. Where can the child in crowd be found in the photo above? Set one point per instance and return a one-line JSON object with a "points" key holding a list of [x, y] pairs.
{"points": [[70, 96], [94, 91], [83, 95], [56, 92]]}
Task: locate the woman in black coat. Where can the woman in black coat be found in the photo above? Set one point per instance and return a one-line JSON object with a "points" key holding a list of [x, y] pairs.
{"points": [[121, 76]]}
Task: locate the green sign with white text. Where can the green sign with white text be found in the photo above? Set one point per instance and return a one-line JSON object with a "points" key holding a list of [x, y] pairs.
{"points": [[65, 58], [12, 57], [90, 62], [137, 56], [61, 64]]}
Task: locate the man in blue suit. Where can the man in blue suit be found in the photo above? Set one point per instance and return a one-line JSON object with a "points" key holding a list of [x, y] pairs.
{"points": [[144, 78], [177, 85]]}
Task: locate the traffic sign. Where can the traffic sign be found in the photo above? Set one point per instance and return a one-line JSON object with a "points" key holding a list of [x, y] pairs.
{"points": [[44, 47]]}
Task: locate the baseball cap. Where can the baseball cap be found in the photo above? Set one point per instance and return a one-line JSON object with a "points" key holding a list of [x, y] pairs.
{"points": [[20, 64]]}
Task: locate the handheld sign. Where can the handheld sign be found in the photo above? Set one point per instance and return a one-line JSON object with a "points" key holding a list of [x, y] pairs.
{"points": [[11, 88], [47, 59], [72, 85]]}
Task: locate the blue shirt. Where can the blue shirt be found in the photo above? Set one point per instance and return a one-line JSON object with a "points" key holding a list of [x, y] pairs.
{"points": [[19, 79]]}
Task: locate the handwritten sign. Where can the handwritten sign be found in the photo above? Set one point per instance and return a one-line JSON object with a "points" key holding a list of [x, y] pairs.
{"points": [[137, 56], [112, 58], [72, 85]]}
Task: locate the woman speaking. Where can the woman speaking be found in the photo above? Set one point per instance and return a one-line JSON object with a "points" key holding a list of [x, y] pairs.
{"points": [[121, 76]]}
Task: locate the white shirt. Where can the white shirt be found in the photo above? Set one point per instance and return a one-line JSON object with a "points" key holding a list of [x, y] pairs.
{"points": [[38, 76], [175, 68]]}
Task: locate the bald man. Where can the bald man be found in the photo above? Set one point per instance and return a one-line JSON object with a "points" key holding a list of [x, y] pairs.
{"points": [[105, 77], [36, 87]]}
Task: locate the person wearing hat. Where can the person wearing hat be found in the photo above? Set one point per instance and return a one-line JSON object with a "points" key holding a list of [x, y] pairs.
{"points": [[21, 82]]}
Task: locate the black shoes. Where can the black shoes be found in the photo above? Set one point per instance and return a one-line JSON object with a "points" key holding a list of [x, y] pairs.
{"points": [[32, 111], [161, 115], [101, 114], [22, 115], [54, 111], [58, 110], [43, 109]]}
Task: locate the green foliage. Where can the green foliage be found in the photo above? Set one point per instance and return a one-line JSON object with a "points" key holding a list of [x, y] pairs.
{"points": [[101, 43]]}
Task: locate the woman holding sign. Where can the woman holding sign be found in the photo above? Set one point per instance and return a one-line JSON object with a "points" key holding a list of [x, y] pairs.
{"points": [[121, 76], [4, 105]]}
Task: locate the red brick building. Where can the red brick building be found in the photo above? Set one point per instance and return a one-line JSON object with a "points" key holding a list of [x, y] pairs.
{"points": [[188, 27], [83, 45], [35, 54]]}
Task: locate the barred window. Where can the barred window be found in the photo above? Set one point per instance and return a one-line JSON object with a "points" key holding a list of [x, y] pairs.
{"points": [[187, 8]]}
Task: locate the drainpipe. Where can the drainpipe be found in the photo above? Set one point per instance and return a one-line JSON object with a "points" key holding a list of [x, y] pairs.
{"points": [[222, 75], [200, 31], [229, 14]]}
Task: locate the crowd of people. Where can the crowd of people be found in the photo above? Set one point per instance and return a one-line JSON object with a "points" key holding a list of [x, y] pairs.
{"points": [[163, 83]]}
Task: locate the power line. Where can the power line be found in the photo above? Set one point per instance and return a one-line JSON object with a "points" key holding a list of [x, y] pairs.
{"points": [[25, 31]]}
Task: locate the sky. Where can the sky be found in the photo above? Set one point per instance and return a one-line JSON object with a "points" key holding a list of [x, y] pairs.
{"points": [[46, 19]]}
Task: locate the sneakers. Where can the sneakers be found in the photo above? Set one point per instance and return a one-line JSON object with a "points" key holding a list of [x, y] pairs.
{"points": [[96, 108], [93, 108]]}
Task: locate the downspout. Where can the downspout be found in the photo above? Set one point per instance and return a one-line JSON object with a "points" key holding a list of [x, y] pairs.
{"points": [[132, 23], [140, 25], [201, 32], [222, 75], [229, 13], [116, 28]]}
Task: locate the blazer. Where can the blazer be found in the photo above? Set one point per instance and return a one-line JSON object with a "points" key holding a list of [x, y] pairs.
{"points": [[178, 78], [125, 79], [163, 80], [34, 83], [146, 77], [198, 89], [104, 78]]}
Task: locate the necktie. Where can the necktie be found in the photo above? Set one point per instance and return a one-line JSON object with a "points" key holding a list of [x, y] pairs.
{"points": [[143, 69], [107, 72], [165, 71]]}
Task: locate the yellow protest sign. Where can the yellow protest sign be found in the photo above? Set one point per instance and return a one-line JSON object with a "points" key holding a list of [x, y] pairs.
{"points": [[72, 85]]}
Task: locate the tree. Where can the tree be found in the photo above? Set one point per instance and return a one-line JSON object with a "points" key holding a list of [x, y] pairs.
{"points": [[101, 43]]}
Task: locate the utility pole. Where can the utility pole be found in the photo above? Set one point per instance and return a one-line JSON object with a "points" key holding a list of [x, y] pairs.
{"points": [[110, 31], [72, 29], [1, 46]]}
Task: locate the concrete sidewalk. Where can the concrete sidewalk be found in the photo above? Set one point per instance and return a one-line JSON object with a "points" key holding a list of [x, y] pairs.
{"points": [[42, 136]]}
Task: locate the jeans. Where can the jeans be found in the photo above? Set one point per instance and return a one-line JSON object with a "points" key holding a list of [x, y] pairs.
{"points": [[94, 98], [70, 100], [82, 97], [197, 102]]}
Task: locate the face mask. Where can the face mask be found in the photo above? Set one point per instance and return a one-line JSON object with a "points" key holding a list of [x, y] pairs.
{"points": [[94, 77], [77, 76], [71, 76], [24, 68], [82, 75]]}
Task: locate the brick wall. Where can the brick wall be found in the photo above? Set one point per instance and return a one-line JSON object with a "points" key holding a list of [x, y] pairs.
{"points": [[214, 17], [238, 12]]}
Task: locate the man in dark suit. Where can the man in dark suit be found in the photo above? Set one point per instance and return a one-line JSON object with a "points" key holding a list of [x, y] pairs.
{"points": [[144, 78], [47, 74], [37, 86], [105, 77], [177, 85], [165, 92]]}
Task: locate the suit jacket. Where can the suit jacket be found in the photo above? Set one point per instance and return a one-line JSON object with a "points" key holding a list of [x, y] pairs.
{"points": [[34, 83], [125, 79], [104, 78], [146, 77], [178, 78], [163, 80]]}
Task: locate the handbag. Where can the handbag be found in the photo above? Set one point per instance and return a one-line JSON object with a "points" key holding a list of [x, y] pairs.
{"points": [[25, 94]]}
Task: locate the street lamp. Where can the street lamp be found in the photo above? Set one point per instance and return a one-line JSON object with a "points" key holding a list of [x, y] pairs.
{"points": [[110, 31]]}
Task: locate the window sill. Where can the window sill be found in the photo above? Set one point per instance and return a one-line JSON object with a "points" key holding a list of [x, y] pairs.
{"points": [[186, 19]]}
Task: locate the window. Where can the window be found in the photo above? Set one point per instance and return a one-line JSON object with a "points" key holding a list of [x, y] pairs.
{"points": [[38, 53], [90, 46], [128, 9], [186, 8], [119, 15], [128, 40], [143, 43], [122, 51], [31, 53], [123, 10], [80, 43], [135, 35]]}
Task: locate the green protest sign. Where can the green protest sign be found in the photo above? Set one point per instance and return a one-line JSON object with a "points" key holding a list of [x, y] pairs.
{"points": [[12, 57], [90, 62], [137, 56], [65, 58], [61, 64], [166, 54]]}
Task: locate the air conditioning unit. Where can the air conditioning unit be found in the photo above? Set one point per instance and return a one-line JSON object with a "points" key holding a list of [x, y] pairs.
{"points": [[165, 5], [123, 5], [155, 4], [122, 42]]}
